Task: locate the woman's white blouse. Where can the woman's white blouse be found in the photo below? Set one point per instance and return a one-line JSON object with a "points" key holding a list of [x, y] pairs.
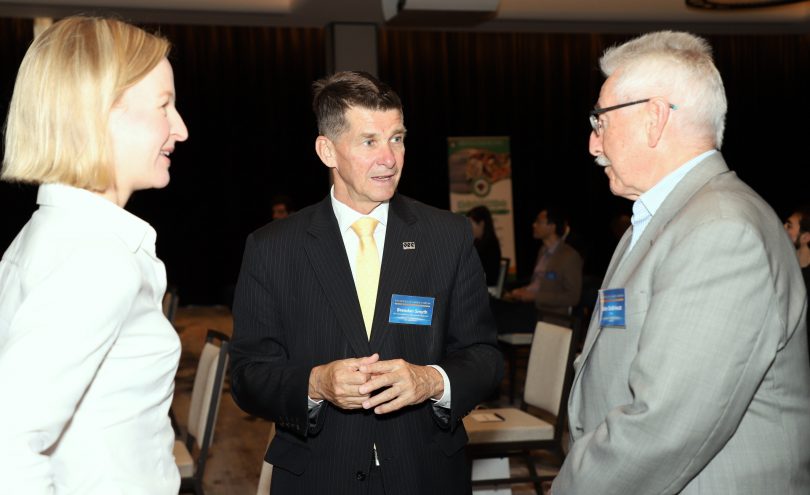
{"points": [[87, 359]]}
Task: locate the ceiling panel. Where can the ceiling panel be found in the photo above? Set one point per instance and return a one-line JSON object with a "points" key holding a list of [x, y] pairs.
{"points": [[512, 14]]}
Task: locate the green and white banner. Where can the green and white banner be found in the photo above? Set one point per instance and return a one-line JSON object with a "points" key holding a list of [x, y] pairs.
{"points": [[481, 174]]}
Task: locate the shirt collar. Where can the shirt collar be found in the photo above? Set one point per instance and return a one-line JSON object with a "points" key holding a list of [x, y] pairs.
{"points": [[649, 202], [346, 216], [105, 214], [552, 248]]}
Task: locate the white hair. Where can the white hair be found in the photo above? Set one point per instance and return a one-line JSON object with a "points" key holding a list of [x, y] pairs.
{"points": [[673, 65]]}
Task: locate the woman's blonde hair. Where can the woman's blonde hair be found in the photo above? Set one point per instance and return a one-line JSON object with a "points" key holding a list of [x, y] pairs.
{"points": [[70, 78]]}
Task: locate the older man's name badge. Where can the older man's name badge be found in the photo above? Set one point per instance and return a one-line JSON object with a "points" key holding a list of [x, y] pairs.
{"points": [[411, 310], [612, 306]]}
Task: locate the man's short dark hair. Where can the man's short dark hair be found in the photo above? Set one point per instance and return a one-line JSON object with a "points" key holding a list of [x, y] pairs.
{"points": [[335, 94], [558, 217], [283, 199], [804, 218]]}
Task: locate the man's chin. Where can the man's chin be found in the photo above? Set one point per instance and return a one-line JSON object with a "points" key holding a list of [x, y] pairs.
{"points": [[384, 191], [621, 191]]}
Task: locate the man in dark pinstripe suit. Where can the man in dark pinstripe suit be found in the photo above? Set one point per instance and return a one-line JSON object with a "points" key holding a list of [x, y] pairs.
{"points": [[358, 412]]}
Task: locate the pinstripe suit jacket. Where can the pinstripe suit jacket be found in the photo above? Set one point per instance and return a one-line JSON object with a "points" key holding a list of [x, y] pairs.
{"points": [[296, 307], [707, 388]]}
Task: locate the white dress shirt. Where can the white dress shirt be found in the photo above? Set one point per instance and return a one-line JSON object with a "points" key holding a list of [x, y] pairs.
{"points": [[87, 359], [346, 216]]}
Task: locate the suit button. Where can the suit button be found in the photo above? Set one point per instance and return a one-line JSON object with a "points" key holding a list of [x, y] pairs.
{"points": [[361, 476]]}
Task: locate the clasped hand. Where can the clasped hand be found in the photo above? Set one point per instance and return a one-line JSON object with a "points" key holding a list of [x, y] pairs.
{"points": [[349, 383]]}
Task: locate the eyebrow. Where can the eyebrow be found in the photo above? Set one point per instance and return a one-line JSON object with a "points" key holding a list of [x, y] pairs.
{"points": [[401, 130]]}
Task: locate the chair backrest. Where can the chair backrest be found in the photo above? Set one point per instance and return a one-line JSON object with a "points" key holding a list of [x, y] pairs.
{"points": [[266, 474], [547, 371], [497, 290], [207, 390]]}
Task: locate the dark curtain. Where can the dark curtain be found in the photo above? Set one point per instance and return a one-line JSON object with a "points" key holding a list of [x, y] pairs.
{"points": [[16, 201], [538, 89], [245, 95]]}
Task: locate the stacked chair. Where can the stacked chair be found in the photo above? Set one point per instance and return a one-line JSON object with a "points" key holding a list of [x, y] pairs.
{"points": [[206, 395]]}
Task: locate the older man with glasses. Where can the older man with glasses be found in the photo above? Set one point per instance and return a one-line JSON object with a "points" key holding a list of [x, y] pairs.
{"points": [[694, 377]]}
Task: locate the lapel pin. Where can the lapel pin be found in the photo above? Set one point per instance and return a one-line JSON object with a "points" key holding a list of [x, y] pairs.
{"points": [[409, 245]]}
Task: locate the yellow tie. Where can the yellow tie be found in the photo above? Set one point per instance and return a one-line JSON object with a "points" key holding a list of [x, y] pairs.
{"points": [[367, 269]]}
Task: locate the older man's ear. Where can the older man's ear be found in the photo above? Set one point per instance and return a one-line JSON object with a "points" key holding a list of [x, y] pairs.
{"points": [[657, 113]]}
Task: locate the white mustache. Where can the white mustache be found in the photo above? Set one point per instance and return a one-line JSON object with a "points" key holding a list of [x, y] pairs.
{"points": [[602, 160]]}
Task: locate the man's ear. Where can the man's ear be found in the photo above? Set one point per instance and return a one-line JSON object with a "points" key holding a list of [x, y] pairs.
{"points": [[325, 150], [657, 117]]}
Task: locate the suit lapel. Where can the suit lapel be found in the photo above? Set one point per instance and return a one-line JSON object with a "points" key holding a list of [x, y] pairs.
{"points": [[675, 201], [623, 264], [326, 252], [619, 254], [398, 263]]}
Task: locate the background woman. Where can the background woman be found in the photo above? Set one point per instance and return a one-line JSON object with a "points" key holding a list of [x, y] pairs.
{"points": [[87, 360], [486, 242]]}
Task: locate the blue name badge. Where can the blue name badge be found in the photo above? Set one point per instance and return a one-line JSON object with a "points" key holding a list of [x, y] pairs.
{"points": [[612, 305], [411, 310]]}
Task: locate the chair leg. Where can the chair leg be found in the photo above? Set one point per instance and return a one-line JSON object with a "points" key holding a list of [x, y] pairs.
{"points": [[533, 474], [187, 486], [512, 356], [198, 488]]}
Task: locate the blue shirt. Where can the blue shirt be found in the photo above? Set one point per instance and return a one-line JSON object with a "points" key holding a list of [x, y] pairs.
{"points": [[648, 203]]}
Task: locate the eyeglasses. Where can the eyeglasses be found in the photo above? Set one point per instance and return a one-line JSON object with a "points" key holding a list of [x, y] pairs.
{"points": [[596, 124]]}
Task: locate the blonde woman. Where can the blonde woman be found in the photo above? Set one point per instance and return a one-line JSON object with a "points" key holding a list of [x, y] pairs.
{"points": [[87, 360]]}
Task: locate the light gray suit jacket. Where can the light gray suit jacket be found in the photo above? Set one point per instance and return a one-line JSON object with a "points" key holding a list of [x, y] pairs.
{"points": [[706, 390]]}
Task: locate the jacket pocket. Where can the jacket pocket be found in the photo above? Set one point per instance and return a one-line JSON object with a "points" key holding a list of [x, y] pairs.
{"points": [[288, 454], [451, 442]]}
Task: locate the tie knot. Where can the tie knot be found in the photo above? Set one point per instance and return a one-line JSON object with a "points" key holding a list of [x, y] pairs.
{"points": [[365, 226]]}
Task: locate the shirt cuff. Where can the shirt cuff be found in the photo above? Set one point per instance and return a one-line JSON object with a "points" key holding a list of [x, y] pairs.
{"points": [[444, 400]]}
